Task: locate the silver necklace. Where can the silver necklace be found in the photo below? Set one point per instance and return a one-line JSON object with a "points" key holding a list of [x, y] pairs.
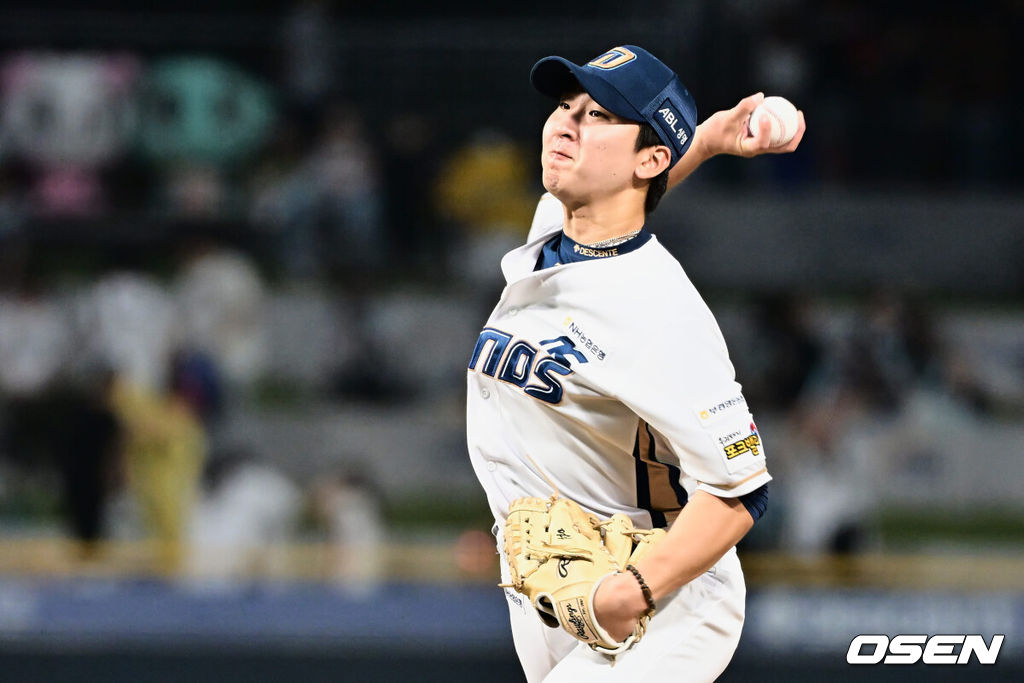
{"points": [[614, 241]]}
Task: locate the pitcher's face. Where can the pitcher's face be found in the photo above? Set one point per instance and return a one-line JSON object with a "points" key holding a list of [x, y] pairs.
{"points": [[587, 152]]}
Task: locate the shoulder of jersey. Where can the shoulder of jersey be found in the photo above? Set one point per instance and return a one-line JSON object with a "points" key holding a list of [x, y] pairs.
{"points": [[655, 281], [548, 217]]}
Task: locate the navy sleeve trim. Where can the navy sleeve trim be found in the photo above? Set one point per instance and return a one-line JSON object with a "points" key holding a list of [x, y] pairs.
{"points": [[756, 501]]}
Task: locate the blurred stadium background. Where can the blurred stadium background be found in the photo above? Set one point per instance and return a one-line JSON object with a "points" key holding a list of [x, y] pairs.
{"points": [[244, 248]]}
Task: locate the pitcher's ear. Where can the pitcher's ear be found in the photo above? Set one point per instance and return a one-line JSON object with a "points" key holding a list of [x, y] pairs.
{"points": [[653, 161]]}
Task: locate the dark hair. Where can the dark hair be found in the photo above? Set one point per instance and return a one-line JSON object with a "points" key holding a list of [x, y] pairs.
{"points": [[647, 137]]}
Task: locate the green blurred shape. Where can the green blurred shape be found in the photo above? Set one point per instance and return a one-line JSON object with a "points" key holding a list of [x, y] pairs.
{"points": [[994, 525], [197, 109]]}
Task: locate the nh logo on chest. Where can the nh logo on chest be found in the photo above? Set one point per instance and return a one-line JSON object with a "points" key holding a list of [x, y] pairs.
{"points": [[518, 362]]}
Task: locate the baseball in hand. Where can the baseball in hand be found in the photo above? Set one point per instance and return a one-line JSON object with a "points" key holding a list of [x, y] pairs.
{"points": [[783, 116]]}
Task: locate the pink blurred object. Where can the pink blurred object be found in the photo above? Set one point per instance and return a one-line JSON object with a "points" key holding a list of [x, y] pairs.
{"points": [[68, 116], [68, 191]]}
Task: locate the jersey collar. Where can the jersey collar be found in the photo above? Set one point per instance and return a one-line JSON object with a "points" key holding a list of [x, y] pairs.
{"points": [[562, 249]]}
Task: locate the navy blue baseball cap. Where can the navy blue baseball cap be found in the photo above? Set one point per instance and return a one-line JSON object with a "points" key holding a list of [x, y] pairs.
{"points": [[631, 83]]}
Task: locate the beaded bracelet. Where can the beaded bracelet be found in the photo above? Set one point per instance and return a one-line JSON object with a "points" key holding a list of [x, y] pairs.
{"points": [[644, 589]]}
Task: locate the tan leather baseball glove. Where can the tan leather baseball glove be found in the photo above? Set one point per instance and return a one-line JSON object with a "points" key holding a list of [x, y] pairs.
{"points": [[558, 554]]}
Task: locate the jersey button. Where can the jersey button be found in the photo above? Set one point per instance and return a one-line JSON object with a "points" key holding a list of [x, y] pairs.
{"points": [[491, 466], [485, 393], [513, 311]]}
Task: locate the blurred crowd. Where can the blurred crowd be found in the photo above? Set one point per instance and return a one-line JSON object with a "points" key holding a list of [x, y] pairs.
{"points": [[113, 393], [860, 402], [167, 219]]}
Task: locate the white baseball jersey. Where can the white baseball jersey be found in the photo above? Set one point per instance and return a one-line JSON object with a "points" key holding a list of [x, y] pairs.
{"points": [[609, 379], [611, 376]]}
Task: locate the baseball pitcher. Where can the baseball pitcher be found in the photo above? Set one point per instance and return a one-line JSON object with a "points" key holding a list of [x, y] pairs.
{"points": [[604, 420]]}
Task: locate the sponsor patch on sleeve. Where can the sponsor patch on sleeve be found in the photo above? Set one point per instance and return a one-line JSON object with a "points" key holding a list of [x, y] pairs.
{"points": [[714, 412], [739, 447], [750, 443], [731, 429]]}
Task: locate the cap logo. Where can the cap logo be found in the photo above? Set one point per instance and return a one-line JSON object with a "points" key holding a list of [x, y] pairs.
{"points": [[613, 59]]}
